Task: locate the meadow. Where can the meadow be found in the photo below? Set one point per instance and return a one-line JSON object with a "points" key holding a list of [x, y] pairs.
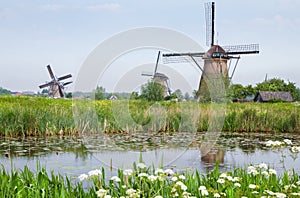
{"points": [[37, 116]]}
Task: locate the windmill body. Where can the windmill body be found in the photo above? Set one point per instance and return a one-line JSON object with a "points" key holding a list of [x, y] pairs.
{"points": [[56, 87], [160, 78], [216, 59]]}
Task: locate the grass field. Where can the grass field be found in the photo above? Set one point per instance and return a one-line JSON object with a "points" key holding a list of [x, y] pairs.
{"points": [[33, 116]]}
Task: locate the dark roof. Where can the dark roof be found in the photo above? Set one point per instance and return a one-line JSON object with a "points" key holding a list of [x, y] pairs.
{"points": [[268, 95]]}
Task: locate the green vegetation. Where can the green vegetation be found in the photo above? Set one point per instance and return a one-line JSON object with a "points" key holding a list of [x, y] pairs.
{"points": [[4, 91], [152, 91], [36, 116], [143, 181], [237, 91]]}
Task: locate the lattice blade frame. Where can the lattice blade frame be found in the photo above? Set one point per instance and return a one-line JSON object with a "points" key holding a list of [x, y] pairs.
{"points": [[242, 49]]}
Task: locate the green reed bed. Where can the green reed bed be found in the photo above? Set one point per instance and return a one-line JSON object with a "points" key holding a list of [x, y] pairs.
{"points": [[44, 116], [147, 181]]}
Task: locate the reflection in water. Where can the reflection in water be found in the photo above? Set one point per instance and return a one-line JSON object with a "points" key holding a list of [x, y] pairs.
{"points": [[75, 155], [213, 156]]}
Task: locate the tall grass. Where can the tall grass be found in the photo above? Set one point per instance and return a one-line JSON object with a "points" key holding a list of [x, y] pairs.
{"points": [[42, 116]]}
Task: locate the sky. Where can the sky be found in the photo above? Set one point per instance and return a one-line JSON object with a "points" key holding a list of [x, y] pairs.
{"points": [[63, 33]]}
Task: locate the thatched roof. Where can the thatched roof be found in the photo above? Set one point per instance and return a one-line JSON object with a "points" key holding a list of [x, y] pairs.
{"points": [[264, 96]]}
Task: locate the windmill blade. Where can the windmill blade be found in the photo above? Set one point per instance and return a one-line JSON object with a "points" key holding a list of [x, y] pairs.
{"points": [[181, 57], [156, 65], [67, 83], [210, 23], [50, 71], [60, 91], [146, 74], [64, 77], [46, 85], [242, 49]]}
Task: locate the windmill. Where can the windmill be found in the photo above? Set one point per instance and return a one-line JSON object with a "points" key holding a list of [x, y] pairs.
{"points": [[217, 57], [56, 87], [159, 77]]}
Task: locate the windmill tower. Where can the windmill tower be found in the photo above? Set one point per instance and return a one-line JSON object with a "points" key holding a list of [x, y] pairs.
{"points": [[216, 58], [160, 78], [56, 87]]}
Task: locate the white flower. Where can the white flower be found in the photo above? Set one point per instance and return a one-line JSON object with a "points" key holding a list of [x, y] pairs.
{"points": [[159, 171], [298, 183], [252, 186], [270, 192], [169, 172], [152, 178], [255, 192], [107, 196], [221, 181], [181, 177], [174, 179], [263, 166], [280, 195], [130, 191], [115, 178], [202, 188], [158, 196], [101, 192], [287, 141], [272, 171], [217, 195], [141, 165], [295, 149], [223, 175], [237, 184], [265, 173], [229, 178], [83, 177], [235, 179], [127, 172], [295, 194], [182, 185], [204, 192], [252, 170], [95, 172], [143, 175]]}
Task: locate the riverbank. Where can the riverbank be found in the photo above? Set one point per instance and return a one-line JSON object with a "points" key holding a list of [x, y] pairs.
{"points": [[34, 116]]}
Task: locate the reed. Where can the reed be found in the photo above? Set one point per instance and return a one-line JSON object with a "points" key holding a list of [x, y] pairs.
{"points": [[28, 116]]}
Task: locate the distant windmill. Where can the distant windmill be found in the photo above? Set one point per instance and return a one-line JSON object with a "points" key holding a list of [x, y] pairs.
{"points": [[216, 58], [56, 87], [160, 78]]}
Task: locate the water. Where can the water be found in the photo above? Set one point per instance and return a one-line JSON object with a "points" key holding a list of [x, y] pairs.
{"points": [[180, 151]]}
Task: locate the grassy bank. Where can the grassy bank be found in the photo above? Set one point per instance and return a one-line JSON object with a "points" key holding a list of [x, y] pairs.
{"points": [[144, 181], [43, 116]]}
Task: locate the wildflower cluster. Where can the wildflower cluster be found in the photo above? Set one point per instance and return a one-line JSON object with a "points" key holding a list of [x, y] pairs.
{"points": [[142, 181], [285, 143]]}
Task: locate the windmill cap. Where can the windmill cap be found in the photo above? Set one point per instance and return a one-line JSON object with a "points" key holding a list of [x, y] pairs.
{"points": [[214, 49]]}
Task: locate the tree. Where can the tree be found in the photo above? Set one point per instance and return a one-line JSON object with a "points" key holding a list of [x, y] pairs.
{"points": [[187, 96], [99, 93], [152, 91], [276, 84], [4, 91], [134, 95]]}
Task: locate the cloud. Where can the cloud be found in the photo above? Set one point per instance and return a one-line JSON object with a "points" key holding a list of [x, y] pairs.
{"points": [[104, 7]]}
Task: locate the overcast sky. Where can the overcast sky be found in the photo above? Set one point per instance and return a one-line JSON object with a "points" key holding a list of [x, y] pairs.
{"points": [[63, 33]]}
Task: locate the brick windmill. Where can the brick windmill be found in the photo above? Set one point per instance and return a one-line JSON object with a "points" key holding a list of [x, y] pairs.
{"points": [[216, 59]]}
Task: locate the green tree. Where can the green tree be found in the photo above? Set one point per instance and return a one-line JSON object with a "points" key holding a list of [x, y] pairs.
{"points": [[4, 91], [99, 93], [152, 91], [187, 96], [134, 96]]}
